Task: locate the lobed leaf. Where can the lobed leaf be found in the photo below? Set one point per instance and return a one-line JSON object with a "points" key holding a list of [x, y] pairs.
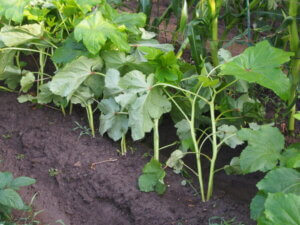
{"points": [[261, 64]]}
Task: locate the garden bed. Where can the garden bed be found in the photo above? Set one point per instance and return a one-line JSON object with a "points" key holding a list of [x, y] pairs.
{"points": [[36, 140]]}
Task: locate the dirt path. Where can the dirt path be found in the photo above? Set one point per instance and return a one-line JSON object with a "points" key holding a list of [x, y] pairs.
{"points": [[32, 141]]}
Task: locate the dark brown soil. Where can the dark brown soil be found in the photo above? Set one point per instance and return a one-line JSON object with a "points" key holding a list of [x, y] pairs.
{"points": [[107, 195]]}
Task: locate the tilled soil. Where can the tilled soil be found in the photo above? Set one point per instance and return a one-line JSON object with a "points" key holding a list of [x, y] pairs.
{"points": [[34, 140]]}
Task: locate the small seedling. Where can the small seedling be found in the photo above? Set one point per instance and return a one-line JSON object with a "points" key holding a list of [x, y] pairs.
{"points": [[53, 172], [83, 129], [20, 156], [6, 136]]}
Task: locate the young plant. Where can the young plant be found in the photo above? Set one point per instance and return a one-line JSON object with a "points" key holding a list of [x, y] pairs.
{"points": [[9, 198], [278, 198]]}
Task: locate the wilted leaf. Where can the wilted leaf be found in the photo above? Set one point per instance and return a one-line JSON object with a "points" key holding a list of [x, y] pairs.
{"points": [[228, 133]]}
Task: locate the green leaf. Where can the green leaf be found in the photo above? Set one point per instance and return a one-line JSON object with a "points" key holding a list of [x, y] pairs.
{"points": [[94, 31], [69, 51], [261, 64], [257, 206], [144, 102], [228, 134], [112, 80], [234, 167], [147, 107], [5, 179], [68, 80], [13, 9], [291, 156], [263, 150], [132, 21], [111, 120], [184, 17], [26, 98], [21, 182], [154, 44], [146, 7], [183, 129], [14, 36], [152, 177], [283, 209], [11, 76], [297, 116], [83, 96], [96, 84], [284, 180], [27, 82], [46, 96], [87, 5], [11, 198], [6, 58]]}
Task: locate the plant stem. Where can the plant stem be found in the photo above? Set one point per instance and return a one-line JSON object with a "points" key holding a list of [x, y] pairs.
{"points": [[156, 140], [295, 63], [214, 34], [197, 150], [214, 149], [90, 116], [123, 145]]}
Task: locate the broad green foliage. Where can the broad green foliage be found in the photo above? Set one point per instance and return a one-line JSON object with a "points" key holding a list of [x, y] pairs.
{"points": [[95, 30], [13, 9], [135, 94], [112, 120], [152, 178], [67, 80], [9, 198], [283, 208], [69, 51], [283, 180], [14, 36], [11, 76], [264, 148], [261, 64]]}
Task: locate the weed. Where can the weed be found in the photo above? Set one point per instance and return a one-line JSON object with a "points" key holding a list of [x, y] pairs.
{"points": [[53, 172]]}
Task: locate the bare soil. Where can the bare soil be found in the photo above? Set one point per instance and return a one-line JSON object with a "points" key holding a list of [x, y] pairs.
{"points": [[34, 140]]}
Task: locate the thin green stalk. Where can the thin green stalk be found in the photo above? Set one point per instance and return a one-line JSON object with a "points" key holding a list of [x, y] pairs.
{"points": [[214, 35], [195, 143], [63, 110], [90, 116], [123, 145], [156, 139], [214, 149], [295, 64]]}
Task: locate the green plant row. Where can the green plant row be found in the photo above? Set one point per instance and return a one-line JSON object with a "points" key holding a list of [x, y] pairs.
{"points": [[90, 54]]}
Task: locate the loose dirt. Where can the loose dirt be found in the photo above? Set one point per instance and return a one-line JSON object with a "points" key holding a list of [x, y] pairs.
{"points": [[34, 140]]}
